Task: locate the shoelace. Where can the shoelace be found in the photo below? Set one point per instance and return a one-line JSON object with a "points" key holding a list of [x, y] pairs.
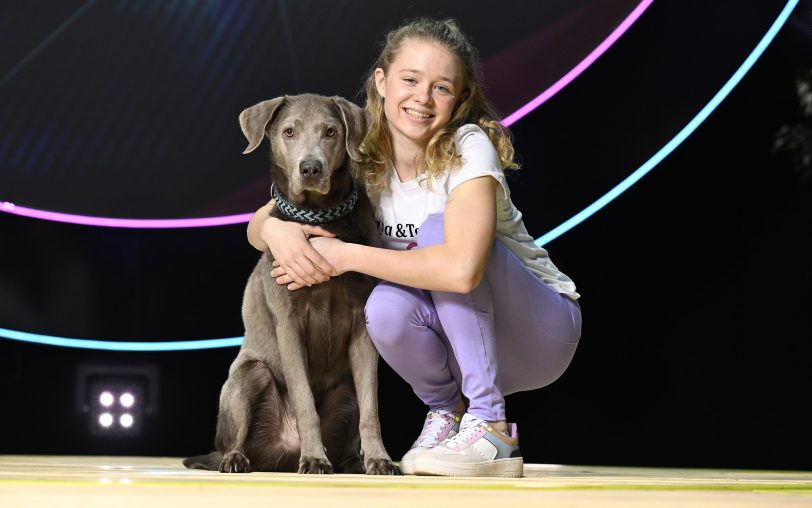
{"points": [[431, 431], [469, 426]]}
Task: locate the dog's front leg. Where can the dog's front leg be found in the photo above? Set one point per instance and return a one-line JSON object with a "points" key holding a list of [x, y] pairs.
{"points": [[313, 458], [247, 380], [364, 365]]}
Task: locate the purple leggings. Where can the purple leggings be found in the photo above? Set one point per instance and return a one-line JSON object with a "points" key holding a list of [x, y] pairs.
{"points": [[511, 333]]}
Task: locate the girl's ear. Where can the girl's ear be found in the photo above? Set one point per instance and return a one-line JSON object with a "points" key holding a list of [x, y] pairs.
{"points": [[380, 81]]}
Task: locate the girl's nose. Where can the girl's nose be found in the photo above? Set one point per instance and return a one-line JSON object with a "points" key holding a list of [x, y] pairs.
{"points": [[424, 96]]}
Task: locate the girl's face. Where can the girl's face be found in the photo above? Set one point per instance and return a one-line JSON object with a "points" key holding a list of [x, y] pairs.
{"points": [[419, 91]]}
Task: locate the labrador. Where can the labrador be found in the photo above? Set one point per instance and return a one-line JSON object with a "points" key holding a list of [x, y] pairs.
{"points": [[302, 393]]}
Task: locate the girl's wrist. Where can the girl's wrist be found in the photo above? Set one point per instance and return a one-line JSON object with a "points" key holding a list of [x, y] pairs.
{"points": [[265, 230], [346, 258]]}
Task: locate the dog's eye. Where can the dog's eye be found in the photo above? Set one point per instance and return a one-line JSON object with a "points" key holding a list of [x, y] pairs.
{"points": [[330, 132], [289, 132]]}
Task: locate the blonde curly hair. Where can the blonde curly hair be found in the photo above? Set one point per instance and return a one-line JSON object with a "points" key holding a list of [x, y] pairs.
{"points": [[471, 106]]}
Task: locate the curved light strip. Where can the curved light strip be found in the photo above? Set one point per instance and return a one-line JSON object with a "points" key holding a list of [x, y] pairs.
{"points": [[555, 233], [180, 345], [679, 138], [87, 220]]}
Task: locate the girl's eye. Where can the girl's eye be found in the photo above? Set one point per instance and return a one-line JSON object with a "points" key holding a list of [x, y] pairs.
{"points": [[409, 81], [442, 90], [330, 132], [289, 132]]}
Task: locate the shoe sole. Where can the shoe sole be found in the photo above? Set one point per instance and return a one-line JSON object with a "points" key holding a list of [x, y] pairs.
{"points": [[500, 468], [407, 466]]}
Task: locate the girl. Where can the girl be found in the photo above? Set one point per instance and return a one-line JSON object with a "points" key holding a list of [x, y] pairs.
{"points": [[470, 308]]}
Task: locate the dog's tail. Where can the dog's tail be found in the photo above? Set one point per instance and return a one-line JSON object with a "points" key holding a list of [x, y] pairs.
{"points": [[209, 462]]}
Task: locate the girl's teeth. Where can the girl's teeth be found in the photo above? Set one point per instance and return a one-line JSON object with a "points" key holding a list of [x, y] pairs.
{"points": [[416, 114]]}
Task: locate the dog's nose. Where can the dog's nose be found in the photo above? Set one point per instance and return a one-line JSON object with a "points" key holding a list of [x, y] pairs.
{"points": [[310, 167]]}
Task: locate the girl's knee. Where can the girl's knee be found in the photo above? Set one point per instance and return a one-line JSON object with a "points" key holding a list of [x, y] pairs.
{"points": [[392, 311]]}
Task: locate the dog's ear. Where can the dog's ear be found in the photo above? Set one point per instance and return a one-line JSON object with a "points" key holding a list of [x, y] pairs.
{"points": [[255, 119], [356, 120]]}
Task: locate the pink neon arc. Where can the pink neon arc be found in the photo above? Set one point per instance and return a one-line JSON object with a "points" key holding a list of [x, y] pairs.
{"points": [[581, 67], [124, 223], [245, 217]]}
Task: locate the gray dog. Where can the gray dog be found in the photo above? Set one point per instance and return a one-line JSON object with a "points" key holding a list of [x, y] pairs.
{"points": [[302, 393]]}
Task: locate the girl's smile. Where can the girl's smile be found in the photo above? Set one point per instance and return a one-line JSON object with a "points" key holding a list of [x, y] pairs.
{"points": [[418, 115]]}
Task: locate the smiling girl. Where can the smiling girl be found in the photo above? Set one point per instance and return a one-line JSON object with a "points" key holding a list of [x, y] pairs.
{"points": [[469, 307]]}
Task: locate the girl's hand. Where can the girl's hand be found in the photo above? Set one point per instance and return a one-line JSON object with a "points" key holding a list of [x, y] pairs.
{"points": [[330, 250], [301, 263]]}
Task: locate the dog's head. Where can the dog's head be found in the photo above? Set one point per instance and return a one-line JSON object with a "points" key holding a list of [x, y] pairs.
{"points": [[310, 135]]}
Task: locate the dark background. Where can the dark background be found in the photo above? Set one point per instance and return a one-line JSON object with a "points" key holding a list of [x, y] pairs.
{"points": [[696, 282]]}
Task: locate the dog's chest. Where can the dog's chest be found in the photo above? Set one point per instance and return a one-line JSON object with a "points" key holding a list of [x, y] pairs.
{"points": [[329, 318]]}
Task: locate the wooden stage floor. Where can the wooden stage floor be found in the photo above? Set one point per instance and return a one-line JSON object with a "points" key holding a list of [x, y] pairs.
{"points": [[156, 482]]}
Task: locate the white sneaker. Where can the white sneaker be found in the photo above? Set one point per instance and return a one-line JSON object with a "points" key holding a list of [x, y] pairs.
{"points": [[439, 425], [477, 450]]}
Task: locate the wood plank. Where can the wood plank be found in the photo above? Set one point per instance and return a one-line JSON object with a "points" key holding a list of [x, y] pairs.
{"points": [[121, 482]]}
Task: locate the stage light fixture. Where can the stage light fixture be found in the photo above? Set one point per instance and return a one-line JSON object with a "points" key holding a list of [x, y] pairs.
{"points": [[124, 395], [126, 399]]}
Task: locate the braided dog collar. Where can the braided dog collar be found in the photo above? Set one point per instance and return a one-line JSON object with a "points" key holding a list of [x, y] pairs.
{"points": [[315, 216]]}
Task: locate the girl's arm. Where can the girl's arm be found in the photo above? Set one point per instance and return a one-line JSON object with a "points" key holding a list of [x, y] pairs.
{"points": [[255, 227], [288, 243], [457, 265]]}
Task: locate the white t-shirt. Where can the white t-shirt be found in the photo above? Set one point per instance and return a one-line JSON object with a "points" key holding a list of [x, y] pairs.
{"points": [[401, 209]]}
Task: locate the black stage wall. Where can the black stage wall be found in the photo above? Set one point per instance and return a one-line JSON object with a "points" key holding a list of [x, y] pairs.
{"points": [[696, 282]]}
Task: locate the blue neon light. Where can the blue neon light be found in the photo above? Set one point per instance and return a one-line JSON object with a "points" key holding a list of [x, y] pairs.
{"points": [[108, 345], [548, 237]]}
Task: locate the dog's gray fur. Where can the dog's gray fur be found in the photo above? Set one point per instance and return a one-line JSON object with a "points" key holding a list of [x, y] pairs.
{"points": [[302, 392]]}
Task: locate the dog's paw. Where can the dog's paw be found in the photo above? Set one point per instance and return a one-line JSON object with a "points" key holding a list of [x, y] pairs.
{"points": [[315, 465], [235, 462], [381, 466]]}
